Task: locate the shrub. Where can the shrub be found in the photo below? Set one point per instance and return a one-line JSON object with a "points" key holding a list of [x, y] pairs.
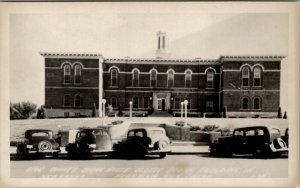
{"points": [[181, 123], [22, 110], [210, 128], [195, 128]]}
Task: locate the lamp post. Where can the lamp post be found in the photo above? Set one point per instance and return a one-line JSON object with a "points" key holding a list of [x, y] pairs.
{"points": [[130, 103], [103, 111], [181, 114], [185, 109]]}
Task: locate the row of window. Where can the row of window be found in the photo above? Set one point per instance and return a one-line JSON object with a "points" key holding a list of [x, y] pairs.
{"points": [[246, 103], [256, 75], [153, 78], [77, 74], [76, 103]]}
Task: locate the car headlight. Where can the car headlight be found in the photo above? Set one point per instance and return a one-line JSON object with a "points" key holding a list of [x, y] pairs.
{"points": [[29, 146], [92, 145]]}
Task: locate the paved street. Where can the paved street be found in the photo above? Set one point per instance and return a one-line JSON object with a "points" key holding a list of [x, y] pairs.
{"points": [[200, 165]]}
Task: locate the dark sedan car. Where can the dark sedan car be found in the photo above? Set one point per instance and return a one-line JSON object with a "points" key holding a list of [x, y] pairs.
{"points": [[257, 140], [90, 141], [38, 141]]}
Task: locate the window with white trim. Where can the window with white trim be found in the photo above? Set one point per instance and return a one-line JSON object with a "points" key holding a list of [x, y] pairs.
{"points": [[209, 106], [77, 74], [256, 103], [245, 103], [77, 102], [177, 103], [135, 78], [114, 77], [114, 102], [170, 79], [153, 77], [135, 102], [188, 79], [67, 100], [210, 79], [245, 76], [257, 76], [146, 102], [67, 74]]}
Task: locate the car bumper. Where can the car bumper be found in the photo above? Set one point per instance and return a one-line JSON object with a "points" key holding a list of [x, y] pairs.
{"points": [[46, 151], [101, 151], [159, 151]]}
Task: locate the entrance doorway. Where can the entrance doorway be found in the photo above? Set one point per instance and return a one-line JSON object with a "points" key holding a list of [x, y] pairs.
{"points": [[161, 104]]}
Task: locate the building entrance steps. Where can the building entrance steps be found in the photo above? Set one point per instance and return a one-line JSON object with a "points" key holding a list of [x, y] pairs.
{"points": [[160, 114]]}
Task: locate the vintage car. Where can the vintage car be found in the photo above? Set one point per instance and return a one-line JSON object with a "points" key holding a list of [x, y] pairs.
{"points": [[260, 141], [89, 141], [143, 141], [40, 142]]}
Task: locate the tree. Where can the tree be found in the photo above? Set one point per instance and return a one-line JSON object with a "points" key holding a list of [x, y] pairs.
{"points": [[279, 114], [22, 110], [284, 116], [41, 113]]}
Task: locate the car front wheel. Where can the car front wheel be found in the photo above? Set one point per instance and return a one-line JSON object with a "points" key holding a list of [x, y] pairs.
{"points": [[162, 155]]}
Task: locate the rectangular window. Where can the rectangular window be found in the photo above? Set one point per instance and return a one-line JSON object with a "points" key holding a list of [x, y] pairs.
{"points": [[135, 102], [146, 102], [177, 103], [77, 114], [66, 114], [114, 102], [209, 106]]}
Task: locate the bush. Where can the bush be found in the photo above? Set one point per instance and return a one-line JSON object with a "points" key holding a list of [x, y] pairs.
{"points": [[181, 123], [22, 110], [210, 128], [195, 128]]}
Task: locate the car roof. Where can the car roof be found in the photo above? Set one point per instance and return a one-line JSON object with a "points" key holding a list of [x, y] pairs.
{"points": [[38, 130], [147, 128], [253, 127]]}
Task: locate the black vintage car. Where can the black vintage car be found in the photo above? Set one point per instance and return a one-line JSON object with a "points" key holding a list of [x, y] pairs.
{"points": [[38, 141], [144, 141], [260, 141], [90, 141]]}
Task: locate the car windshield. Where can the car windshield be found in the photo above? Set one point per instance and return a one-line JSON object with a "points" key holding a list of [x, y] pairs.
{"points": [[99, 132], [138, 133], [42, 134]]}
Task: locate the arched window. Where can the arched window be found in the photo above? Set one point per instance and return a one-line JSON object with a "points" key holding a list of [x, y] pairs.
{"points": [[67, 74], [210, 79], [114, 78], [67, 100], [77, 73], [114, 102], [257, 76], [153, 77], [135, 102], [171, 79], [188, 79], [245, 76], [257, 103], [77, 102], [135, 78], [245, 105]]}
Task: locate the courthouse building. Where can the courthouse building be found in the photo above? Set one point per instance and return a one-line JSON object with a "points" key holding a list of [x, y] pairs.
{"points": [[245, 86]]}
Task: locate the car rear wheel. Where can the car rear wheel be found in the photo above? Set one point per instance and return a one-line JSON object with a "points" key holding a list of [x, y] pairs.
{"points": [[162, 155]]}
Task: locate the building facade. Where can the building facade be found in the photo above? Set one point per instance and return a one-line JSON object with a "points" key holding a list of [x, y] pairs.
{"points": [[244, 86]]}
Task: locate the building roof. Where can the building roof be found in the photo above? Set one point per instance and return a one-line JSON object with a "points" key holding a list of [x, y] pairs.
{"points": [[71, 55]]}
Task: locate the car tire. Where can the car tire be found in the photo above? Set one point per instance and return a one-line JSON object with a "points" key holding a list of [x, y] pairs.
{"points": [[45, 145], [162, 155]]}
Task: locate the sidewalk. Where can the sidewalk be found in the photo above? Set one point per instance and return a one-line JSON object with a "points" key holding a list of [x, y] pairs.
{"points": [[177, 147]]}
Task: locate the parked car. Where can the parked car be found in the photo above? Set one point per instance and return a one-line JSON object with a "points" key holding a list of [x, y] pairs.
{"points": [[89, 141], [144, 141], [38, 141], [260, 141]]}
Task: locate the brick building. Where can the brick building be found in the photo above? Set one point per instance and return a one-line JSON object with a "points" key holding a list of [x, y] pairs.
{"points": [[244, 85]]}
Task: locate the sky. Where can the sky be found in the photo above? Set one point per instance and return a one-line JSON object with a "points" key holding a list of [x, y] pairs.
{"points": [[120, 34]]}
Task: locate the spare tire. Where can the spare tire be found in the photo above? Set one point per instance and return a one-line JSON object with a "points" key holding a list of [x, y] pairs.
{"points": [[279, 143], [163, 144], [44, 145]]}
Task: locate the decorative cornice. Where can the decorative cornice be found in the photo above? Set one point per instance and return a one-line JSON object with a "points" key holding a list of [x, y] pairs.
{"points": [[162, 61], [72, 55], [251, 57]]}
